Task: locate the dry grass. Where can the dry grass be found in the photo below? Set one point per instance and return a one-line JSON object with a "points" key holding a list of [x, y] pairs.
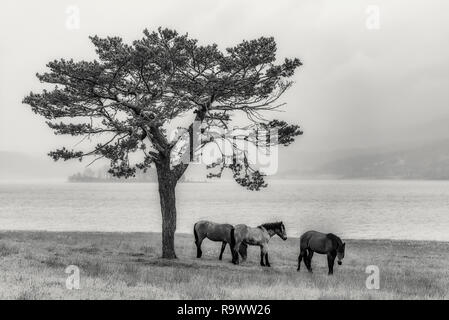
{"points": [[127, 266]]}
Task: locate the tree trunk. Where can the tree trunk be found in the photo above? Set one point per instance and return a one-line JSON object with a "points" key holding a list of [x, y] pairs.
{"points": [[167, 184]]}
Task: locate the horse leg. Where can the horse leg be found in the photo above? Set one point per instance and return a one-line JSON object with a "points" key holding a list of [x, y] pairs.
{"points": [[223, 246], [302, 253], [199, 253], [330, 262], [262, 255], [243, 250], [235, 254], [309, 260], [267, 263]]}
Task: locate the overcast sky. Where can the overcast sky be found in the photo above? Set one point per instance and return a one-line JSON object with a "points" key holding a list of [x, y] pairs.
{"points": [[360, 85]]}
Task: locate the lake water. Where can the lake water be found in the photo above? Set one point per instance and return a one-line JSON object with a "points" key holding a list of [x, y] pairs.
{"points": [[352, 209]]}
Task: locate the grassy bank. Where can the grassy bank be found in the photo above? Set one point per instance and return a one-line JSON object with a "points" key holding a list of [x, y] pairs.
{"points": [[127, 266]]}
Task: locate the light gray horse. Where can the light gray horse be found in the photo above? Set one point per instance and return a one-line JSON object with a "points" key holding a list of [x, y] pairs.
{"points": [[215, 232], [259, 236]]}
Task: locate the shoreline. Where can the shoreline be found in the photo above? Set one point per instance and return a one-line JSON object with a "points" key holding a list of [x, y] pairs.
{"points": [[185, 234], [63, 180]]}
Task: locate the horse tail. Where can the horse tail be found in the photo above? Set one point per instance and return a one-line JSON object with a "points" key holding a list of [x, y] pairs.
{"points": [[195, 233], [303, 242]]}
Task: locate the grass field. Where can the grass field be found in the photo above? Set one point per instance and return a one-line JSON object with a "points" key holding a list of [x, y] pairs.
{"points": [[127, 266]]}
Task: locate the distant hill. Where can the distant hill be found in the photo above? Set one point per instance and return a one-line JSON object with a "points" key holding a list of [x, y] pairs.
{"points": [[428, 161], [308, 165], [420, 160]]}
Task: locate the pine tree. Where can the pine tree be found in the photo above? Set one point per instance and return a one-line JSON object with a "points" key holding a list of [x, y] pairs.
{"points": [[128, 96]]}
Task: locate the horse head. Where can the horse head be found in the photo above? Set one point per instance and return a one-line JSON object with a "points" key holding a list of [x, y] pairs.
{"points": [[279, 229], [340, 253], [275, 228], [283, 232]]}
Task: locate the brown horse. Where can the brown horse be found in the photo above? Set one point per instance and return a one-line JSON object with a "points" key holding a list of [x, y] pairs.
{"points": [[314, 241], [215, 232]]}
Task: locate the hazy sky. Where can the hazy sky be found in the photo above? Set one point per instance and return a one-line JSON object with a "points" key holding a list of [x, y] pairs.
{"points": [[360, 85]]}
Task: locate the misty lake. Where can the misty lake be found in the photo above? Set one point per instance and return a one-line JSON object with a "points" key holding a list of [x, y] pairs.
{"points": [[352, 209]]}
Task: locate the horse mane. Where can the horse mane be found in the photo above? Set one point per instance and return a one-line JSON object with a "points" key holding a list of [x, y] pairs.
{"points": [[336, 240], [271, 225]]}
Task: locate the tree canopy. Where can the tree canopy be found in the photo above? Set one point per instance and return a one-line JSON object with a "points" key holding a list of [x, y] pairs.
{"points": [[127, 96]]}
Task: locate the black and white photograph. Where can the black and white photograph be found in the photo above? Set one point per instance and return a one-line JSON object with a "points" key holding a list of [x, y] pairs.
{"points": [[223, 150]]}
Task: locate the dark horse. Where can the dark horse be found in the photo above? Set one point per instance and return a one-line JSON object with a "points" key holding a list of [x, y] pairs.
{"points": [[259, 236], [215, 232], [330, 244]]}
